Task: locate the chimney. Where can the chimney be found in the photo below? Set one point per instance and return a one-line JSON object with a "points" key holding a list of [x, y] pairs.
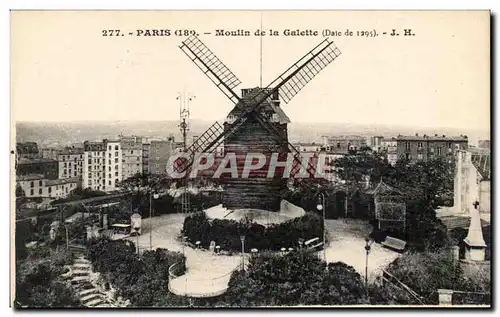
{"points": [[416, 134], [444, 136], [435, 134]]}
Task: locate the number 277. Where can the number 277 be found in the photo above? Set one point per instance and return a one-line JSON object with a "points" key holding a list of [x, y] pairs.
{"points": [[110, 32]]}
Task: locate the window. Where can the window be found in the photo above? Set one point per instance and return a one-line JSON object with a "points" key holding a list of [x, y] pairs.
{"points": [[32, 184], [109, 162], [90, 175], [116, 147], [138, 159], [408, 146], [420, 145], [90, 182], [116, 173], [439, 150], [75, 159], [110, 147], [75, 173], [116, 167], [116, 160], [50, 190], [109, 168], [116, 153], [32, 192], [109, 183], [65, 165], [40, 183], [116, 181], [90, 162], [109, 175], [109, 155], [449, 145], [420, 156], [132, 152], [338, 145], [40, 191]]}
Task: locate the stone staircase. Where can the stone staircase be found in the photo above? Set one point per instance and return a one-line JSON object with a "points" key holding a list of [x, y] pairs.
{"points": [[80, 279]]}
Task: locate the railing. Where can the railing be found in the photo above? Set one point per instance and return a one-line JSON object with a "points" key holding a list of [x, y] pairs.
{"points": [[213, 286]]}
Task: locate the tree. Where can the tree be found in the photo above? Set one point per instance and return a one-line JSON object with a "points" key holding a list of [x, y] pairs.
{"points": [[297, 278]]}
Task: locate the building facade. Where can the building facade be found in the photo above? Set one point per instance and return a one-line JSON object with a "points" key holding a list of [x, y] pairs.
{"points": [[47, 167], [389, 146], [94, 165], [132, 156], [159, 153], [344, 144], [425, 147], [376, 143], [27, 150], [146, 147], [36, 185], [70, 161], [113, 175], [102, 165]]}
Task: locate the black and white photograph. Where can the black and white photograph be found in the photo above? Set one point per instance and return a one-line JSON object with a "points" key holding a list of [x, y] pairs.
{"points": [[246, 159]]}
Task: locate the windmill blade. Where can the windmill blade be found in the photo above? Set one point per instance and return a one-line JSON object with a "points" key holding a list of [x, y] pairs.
{"points": [[291, 81], [211, 66], [305, 69]]}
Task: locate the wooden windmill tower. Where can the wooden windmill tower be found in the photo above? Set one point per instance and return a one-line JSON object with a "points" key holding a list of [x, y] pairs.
{"points": [[257, 124]]}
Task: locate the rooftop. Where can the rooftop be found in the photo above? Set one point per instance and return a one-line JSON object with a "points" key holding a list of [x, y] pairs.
{"points": [[35, 160], [51, 182], [434, 137], [29, 177], [70, 150], [27, 147], [346, 137]]}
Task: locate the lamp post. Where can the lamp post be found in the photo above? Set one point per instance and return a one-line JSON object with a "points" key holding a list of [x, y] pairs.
{"points": [[242, 238], [321, 207], [368, 247], [151, 196]]}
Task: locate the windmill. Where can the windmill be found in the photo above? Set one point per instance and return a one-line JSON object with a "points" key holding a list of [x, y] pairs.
{"points": [[259, 106]]}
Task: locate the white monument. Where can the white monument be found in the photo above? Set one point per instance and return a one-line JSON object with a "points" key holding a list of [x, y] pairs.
{"points": [[474, 242]]}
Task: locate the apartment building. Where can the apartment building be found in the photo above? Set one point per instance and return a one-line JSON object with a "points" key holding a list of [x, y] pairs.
{"points": [[146, 147], [94, 165], [159, 153], [70, 161], [36, 185], [344, 144], [132, 156], [102, 165], [113, 175], [425, 147]]}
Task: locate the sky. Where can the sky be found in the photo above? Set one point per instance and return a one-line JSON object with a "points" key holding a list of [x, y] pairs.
{"points": [[63, 69]]}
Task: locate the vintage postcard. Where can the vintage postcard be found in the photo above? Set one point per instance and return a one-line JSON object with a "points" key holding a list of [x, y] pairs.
{"points": [[250, 159]]}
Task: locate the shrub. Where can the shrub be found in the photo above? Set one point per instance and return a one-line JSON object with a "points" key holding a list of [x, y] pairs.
{"points": [[141, 279], [226, 233]]}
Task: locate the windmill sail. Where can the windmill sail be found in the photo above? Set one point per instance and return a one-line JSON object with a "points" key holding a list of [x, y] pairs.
{"points": [[211, 66], [287, 85]]}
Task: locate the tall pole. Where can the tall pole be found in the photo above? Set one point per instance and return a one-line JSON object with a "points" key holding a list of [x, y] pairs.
{"points": [[366, 269], [324, 227], [150, 220]]}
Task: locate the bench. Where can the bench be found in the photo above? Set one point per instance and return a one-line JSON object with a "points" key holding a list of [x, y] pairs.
{"points": [[308, 242], [394, 244]]}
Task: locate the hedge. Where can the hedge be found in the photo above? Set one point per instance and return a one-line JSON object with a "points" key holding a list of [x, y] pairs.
{"points": [[226, 233]]}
